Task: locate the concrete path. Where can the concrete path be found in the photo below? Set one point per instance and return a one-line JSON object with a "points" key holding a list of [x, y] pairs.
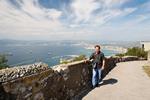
{"points": [[127, 81]]}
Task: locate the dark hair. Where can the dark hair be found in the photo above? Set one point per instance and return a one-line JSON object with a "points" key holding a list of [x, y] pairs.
{"points": [[97, 46]]}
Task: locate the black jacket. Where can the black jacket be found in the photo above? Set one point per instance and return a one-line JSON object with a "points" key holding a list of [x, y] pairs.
{"points": [[97, 58]]}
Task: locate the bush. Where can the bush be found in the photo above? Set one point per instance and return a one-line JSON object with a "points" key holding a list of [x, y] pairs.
{"points": [[79, 58], [3, 62], [120, 55], [135, 51]]}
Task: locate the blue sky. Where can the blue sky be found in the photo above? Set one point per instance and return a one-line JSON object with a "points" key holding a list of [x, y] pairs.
{"points": [[123, 20]]}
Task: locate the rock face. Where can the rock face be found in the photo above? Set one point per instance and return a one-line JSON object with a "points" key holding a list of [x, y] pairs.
{"points": [[62, 82], [20, 71]]}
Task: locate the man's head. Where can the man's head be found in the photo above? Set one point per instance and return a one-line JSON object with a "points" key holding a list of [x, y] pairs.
{"points": [[97, 48]]}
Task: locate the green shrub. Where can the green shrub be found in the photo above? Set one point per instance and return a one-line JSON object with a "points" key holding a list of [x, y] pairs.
{"points": [[135, 51], [78, 58], [120, 55], [3, 61]]}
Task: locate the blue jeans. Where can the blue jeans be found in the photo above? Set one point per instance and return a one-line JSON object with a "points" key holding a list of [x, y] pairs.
{"points": [[96, 76]]}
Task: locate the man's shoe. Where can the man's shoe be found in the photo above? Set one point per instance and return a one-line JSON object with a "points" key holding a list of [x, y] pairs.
{"points": [[92, 87], [100, 82], [96, 85]]}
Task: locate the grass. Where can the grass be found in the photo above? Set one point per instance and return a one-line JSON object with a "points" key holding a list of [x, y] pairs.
{"points": [[147, 70]]}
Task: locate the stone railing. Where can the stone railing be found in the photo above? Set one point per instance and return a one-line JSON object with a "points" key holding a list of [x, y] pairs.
{"points": [[60, 82]]}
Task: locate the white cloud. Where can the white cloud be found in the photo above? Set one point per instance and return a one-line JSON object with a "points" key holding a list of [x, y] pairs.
{"points": [[82, 9], [82, 18], [97, 12], [30, 16]]}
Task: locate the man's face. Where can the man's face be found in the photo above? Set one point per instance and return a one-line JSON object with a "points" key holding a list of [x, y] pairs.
{"points": [[97, 49]]}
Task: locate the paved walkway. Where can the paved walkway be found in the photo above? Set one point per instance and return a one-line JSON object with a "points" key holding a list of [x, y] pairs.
{"points": [[127, 81]]}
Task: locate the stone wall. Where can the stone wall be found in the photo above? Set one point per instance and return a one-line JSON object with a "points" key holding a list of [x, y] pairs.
{"points": [[62, 82], [20, 71]]}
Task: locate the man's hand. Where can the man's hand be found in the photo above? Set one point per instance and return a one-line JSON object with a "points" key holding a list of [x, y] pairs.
{"points": [[85, 61], [102, 67], [88, 60]]}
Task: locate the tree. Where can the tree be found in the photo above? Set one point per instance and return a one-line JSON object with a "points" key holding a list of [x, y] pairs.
{"points": [[3, 61]]}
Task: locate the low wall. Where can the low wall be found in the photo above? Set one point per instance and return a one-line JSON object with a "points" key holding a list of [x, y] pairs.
{"points": [[62, 82]]}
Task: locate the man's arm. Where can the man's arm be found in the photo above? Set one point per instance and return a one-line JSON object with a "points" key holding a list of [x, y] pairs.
{"points": [[90, 58], [103, 63]]}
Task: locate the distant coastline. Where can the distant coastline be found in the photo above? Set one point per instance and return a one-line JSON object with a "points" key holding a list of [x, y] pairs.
{"points": [[109, 47], [51, 52]]}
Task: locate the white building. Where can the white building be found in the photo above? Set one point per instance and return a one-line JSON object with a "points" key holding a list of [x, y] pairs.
{"points": [[146, 47]]}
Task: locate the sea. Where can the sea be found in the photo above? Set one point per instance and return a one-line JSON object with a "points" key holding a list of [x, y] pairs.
{"points": [[50, 52]]}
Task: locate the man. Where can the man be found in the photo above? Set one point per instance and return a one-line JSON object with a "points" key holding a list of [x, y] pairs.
{"points": [[98, 62]]}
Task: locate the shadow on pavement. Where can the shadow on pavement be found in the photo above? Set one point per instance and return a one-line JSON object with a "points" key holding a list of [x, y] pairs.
{"points": [[109, 81], [105, 82]]}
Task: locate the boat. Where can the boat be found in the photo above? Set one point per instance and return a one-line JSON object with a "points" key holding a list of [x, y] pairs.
{"points": [[49, 53], [9, 54]]}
